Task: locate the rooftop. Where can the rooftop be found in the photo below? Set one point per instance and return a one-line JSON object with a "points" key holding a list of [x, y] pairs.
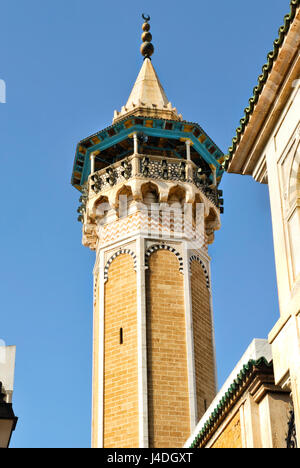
{"points": [[258, 354], [245, 149]]}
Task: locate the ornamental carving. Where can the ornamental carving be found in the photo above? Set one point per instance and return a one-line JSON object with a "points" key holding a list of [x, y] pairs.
{"points": [[115, 255], [156, 247]]}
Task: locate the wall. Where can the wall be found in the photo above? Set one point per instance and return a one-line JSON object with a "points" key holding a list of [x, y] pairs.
{"points": [[231, 437], [166, 346], [121, 427], [203, 339]]}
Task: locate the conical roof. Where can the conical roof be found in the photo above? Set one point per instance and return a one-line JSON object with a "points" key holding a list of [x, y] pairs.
{"points": [[148, 98]]}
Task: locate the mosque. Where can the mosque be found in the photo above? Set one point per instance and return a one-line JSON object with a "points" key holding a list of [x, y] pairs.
{"points": [[149, 206]]}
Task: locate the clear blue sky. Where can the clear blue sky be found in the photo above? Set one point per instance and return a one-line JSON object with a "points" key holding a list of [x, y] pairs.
{"points": [[67, 66]]}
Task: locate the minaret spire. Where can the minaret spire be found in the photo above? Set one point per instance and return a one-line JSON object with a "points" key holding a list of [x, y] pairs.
{"points": [[147, 97]]}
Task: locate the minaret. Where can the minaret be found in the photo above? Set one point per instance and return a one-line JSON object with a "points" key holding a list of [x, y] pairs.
{"points": [[149, 206]]}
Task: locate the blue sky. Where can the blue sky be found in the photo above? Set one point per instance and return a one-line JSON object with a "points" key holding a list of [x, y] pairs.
{"points": [[67, 65]]}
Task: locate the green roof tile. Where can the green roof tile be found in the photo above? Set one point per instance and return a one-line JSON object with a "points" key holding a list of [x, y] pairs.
{"points": [[232, 390], [266, 70]]}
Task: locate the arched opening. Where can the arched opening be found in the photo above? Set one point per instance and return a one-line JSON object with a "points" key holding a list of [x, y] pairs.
{"points": [[212, 223], [150, 193], [177, 196], [102, 206], [124, 199]]}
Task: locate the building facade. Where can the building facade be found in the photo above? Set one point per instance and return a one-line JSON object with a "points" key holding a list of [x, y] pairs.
{"points": [[250, 410], [150, 205], [267, 147], [258, 406]]}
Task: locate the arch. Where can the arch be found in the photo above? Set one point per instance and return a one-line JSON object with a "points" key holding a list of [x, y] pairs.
{"points": [[124, 190], [211, 224], [150, 188], [115, 255], [101, 206], [156, 247], [213, 216], [122, 205], [177, 193], [198, 259]]}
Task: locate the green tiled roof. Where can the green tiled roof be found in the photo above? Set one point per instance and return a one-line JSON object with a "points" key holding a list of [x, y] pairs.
{"points": [[266, 70], [232, 392]]}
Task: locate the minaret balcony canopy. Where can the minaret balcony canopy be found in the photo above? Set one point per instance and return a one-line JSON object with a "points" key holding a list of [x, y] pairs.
{"points": [[159, 137]]}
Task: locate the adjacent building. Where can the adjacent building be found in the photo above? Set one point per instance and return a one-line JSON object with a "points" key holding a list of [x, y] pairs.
{"points": [[259, 405], [267, 147]]}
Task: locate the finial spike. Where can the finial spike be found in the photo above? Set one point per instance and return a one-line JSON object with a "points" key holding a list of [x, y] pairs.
{"points": [[147, 48]]}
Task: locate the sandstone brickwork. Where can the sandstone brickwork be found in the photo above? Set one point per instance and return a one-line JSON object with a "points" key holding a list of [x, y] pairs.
{"points": [[121, 427], [231, 436], [168, 398], [203, 339]]}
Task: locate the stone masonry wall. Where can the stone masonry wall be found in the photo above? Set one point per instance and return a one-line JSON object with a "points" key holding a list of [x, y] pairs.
{"points": [[231, 436], [203, 339], [168, 403], [121, 424]]}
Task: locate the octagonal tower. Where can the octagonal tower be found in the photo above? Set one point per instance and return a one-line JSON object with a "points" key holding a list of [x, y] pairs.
{"points": [[149, 207]]}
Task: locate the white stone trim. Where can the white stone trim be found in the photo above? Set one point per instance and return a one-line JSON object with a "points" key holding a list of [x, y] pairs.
{"points": [[101, 352], [95, 278], [190, 342], [142, 344]]}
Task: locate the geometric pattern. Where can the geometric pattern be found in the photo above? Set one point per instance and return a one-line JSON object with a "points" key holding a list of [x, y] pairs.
{"points": [[116, 254], [156, 247], [120, 228], [152, 223], [198, 259]]}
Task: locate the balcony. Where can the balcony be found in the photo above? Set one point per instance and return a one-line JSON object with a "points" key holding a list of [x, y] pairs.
{"points": [[154, 168]]}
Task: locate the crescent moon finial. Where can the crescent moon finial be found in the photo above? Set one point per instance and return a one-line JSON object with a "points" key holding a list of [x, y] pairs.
{"points": [[147, 48]]}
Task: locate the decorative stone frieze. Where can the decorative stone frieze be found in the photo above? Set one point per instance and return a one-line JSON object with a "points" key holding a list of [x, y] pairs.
{"points": [[155, 248], [135, 177], [115, 255], [198, 259]]}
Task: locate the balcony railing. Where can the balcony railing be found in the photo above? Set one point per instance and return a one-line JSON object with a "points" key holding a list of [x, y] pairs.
{"points": [[155, 168]]}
